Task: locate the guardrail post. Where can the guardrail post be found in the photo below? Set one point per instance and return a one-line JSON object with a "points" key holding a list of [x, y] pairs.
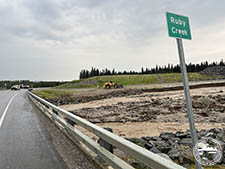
{"points": [[71, 122], [105, 144]]}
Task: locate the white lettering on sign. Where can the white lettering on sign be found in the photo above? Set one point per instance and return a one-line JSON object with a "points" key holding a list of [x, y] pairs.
{"points": [[179, 31], [177, 21], [174, 30]]}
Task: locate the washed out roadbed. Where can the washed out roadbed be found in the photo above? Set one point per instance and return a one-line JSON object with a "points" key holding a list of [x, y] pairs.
{"points": [[208, 106]]}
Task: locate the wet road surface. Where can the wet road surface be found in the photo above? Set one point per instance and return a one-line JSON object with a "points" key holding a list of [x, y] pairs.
{"points": [[24, 142]]}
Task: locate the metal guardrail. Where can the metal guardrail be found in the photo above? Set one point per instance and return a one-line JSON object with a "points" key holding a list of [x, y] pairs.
{"points": [[146, 157]]}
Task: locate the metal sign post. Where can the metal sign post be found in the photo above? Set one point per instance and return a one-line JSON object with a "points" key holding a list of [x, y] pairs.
{"points": [[187, 96], [178, 27]]}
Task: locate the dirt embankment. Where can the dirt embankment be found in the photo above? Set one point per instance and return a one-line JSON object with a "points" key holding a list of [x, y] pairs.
{"points": [[65, 100]]}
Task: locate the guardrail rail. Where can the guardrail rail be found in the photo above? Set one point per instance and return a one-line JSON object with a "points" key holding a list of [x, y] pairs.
{"points": [[64, 118]]}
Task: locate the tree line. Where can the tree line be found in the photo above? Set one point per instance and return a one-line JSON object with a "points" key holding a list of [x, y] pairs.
{"points": [[170, 68]]}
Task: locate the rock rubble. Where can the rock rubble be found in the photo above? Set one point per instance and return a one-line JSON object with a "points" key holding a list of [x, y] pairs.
{"points": [[178, 146], [214, 71]]}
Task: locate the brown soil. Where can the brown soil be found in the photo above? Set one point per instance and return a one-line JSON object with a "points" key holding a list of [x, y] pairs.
{"points": [[208, 106], [142, 129]]}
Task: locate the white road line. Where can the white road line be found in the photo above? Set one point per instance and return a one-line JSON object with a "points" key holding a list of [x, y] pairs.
{"points": [[3, 115]]}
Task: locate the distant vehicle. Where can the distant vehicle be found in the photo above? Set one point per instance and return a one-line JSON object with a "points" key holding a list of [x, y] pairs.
{"points": [[15, 87], [24, 86]]}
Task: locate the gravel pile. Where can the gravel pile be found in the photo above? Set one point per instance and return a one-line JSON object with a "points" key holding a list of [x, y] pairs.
{"points": [[214, 71]]}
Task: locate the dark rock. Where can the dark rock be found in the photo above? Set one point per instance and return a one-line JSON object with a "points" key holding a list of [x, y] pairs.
{"points": [[221, 136], [179, 146], [167, 136], [184, 160], [142, 141], [160, 143], [155, 150], [163, 146], [212, 135], [157, 138], [165, 149], [202, 133], [186, 141], [215, 130], [223, 160], [174, 153], [152, 143], [173, 141], [183, 135], [147, 138], [148, 146]]}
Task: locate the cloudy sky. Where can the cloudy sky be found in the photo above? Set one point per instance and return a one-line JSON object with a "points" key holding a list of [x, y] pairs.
{"points": [[55, 39]]}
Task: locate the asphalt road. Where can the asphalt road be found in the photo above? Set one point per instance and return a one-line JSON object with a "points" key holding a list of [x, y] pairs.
{"points": [[24, 142]]}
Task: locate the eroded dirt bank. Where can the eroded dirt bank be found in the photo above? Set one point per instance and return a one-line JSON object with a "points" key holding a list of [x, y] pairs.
{"points": [[208, 107], [149, 114], [100, 94]]}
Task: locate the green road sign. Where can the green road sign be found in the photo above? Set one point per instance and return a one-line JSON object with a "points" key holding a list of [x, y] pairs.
{"points": [[178, 26]]}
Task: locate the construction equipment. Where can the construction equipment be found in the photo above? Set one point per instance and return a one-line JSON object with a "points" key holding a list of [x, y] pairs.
{"points": [[110, 84]]}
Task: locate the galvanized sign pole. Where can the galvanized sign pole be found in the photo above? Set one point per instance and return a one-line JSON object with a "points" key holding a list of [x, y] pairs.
{"points": [[187, 96], [178, 26]]}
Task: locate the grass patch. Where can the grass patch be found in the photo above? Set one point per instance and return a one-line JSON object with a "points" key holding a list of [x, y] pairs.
{"points": [[120, 79], [52, 93], [177, 77], [216, 166], [126, 80]]}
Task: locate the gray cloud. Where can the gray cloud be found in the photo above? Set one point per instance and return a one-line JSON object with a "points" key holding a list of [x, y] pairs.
{"points": [[117, 34]]}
